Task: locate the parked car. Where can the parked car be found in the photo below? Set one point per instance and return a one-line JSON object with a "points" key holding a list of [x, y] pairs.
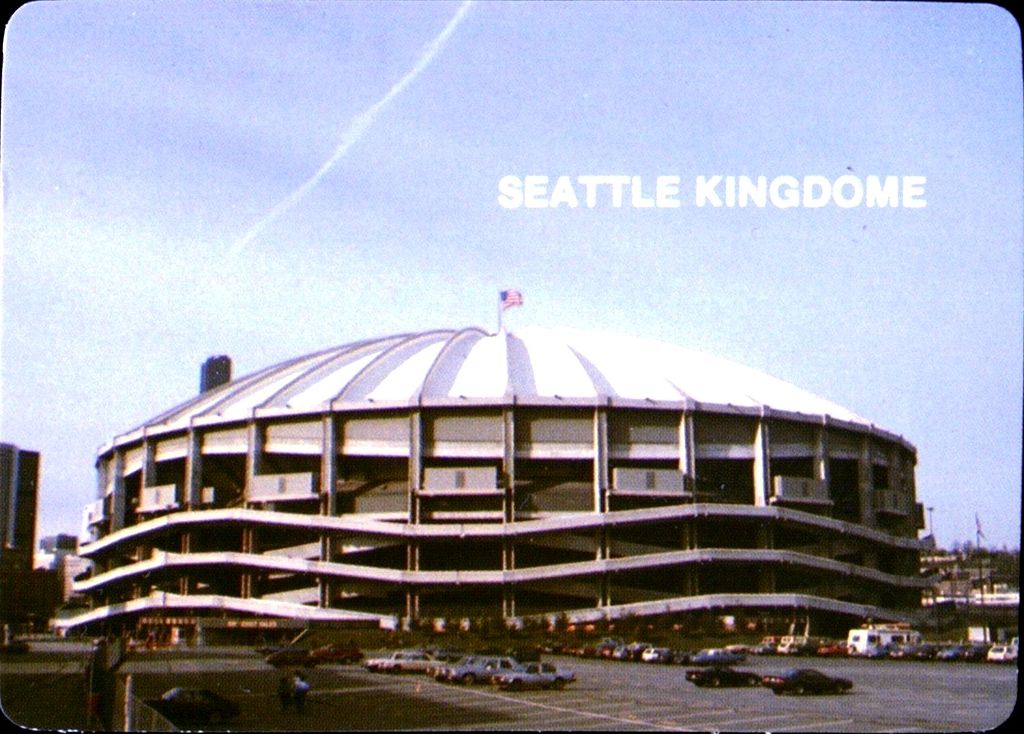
{"points": [[400, 661], [263, 650], [635, 650], [291, 656], [195, 706], [534, 675], [443, 657], [975, 652], [717, 656], [527, 654], [656, 655], [831, 650], [797, 646], [922, 651], [950, 653], [337, 653], [805, 680], [476, 669], [717, 676], [608, 645], [1002, 654], [764, 648], [447, 654], [682, 657], [622, 652]]}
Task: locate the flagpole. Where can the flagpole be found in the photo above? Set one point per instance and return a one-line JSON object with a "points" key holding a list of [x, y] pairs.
{"points": [[978, 535]]}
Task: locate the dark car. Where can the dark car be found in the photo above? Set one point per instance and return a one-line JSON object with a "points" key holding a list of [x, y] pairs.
{"points": [[805, 680], [291, 656], [831, 650], [722, 676], [525, 654], [922, 651], [337, 653], [950, 653], [717, 656], [194, 706], [682, 657], [974, 653]]}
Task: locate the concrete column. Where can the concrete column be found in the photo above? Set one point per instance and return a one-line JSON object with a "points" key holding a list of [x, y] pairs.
{"points": [[686, 535], [821, 452], [690, 584], [193, 483], [688, 450], [412, 563], [415, 464], [118, 501], [254, 454], [328, 495], [762, 468], [865, 484], [248, 546], [184, 583], [509, 463], [600, 459], [329, 463], [415, 479], [148, 462]]}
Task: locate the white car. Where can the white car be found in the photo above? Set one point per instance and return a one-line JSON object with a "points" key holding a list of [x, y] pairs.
{"points": [[534, 675], [656, 655], [1002, 654], [401, 661]]}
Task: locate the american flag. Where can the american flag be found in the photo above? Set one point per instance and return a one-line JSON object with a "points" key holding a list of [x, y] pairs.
{"points": [[510, 299]]}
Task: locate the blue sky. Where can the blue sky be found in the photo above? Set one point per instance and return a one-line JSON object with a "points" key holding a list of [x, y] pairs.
{"points": [[142, 141]]}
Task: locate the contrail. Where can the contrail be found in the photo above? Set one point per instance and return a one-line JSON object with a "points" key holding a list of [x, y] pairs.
{"points": [[355, 132]]}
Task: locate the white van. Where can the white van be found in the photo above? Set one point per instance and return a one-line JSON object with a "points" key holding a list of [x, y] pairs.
{"points": [[1002, 654], [870, 639]]}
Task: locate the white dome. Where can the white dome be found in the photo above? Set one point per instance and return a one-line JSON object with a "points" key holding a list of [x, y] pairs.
{"points": [[532, 365]]}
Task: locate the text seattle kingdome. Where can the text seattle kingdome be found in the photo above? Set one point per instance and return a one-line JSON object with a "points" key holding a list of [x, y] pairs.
{"points": [[719, 191]]}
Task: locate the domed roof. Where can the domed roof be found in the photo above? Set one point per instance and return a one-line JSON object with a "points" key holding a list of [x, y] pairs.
{"points": [[531, 365]]}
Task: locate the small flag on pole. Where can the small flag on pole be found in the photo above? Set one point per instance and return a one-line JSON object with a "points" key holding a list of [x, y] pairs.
{"points": [[977, 526], [511, 298]]}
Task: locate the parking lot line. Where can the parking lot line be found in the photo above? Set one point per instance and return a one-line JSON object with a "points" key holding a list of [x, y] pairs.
{"points": [[576, 712], [834, 722], [756, 719]]}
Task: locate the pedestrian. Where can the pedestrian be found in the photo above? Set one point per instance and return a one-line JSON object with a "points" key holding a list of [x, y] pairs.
{"points": [[301, 688], [285, 692]]}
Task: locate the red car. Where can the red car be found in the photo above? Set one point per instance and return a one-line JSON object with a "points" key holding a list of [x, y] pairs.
{"points": [[805, 680], [336, 653], [832, 650]]}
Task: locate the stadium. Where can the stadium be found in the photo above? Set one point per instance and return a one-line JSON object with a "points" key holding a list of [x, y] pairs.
{"points": [[463, 474]]}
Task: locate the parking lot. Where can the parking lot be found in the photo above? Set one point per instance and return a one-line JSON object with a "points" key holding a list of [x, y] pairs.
{"points": [[608, 695], [887, 696]]}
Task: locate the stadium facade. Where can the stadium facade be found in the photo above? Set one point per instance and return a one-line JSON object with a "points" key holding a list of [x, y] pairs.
{"points": [[457, 473]]}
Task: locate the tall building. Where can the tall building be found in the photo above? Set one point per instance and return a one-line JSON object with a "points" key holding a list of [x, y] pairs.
{"points": [[216, 371], [27, 597], [457, 473], [59, 544], [19, 486]]}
